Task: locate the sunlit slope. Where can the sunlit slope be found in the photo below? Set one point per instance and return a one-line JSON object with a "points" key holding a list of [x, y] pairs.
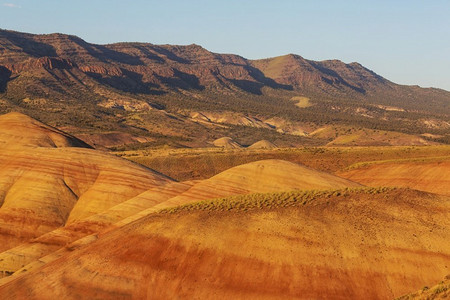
{"points": [[351, 244], [438, 291], [227, 143], [42, 186], [18, 130], [426, 175], [260, 177], [263, 144], [19, 257]]}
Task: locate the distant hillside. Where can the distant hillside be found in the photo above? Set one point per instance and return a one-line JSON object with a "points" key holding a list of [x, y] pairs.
{"points": [[67, 82]]}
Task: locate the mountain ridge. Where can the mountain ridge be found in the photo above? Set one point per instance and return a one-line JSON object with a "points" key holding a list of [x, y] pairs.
{"points": [[70, 47], [97, 87]]}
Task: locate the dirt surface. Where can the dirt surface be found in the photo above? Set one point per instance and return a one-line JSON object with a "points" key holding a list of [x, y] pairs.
{"points": [[427, 176]]}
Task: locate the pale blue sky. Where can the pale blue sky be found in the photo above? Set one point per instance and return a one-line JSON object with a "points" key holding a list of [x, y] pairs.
{"points": [[407, 42]]}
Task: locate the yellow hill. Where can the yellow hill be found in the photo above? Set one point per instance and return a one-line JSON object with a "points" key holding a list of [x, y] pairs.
{"points": [[42, 187], [263, 144], [227, 143], [261, 177], [33, 251], [18, 130]]}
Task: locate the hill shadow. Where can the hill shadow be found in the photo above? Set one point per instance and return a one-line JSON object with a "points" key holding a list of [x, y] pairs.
{"points": [[5, 75], [339, 79], [105, 54], [255, 87], [182, 81], [28, 45], [130, 82]]}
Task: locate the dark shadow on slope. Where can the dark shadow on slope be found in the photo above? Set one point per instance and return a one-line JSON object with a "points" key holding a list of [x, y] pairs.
{"points": [[129, 82], [259, 76], [355, 66], [148, 54], [170, 55], [248, 86], [27, 44], [105, 54], [181, 80], [337, 79], [5, 75], [255, 87]]}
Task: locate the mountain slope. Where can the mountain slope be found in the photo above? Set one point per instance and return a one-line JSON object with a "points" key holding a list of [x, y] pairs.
{"points": [[102, 87]]}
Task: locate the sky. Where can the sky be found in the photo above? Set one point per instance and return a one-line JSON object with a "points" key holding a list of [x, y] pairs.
{"points": [[407, 42]]}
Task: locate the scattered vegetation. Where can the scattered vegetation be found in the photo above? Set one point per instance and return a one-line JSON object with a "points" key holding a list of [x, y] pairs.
{"points": [[439, 291], [187, 164], [271, 200], [74, 98]]}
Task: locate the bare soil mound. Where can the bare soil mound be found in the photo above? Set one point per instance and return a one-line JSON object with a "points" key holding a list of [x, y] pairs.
{"points": [[263, 176], [17, 130], [227, 143], [432, 177], [263, 144], [45, 182]]}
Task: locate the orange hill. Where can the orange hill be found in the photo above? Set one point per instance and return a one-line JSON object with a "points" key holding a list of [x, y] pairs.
{"points": [[18, 130], [430, 176], [362, 244], [261, 176], [41, 187]]}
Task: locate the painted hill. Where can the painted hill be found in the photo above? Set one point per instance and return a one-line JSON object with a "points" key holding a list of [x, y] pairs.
{"points": [[43, 187], [226, 143], [38, 251], [98, 226], [426, 175], [260, 177], [351, 244], [20, 130], [263, 144]]}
